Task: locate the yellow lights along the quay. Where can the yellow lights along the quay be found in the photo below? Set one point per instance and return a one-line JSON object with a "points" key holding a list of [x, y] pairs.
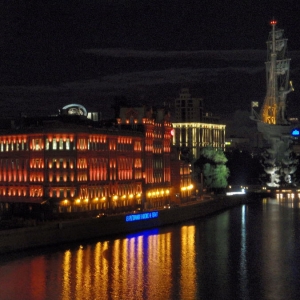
{"points": [[158, 193], [80, 201], [187, 188]]}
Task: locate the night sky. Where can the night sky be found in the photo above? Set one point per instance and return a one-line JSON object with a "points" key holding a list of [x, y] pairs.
{"points": [[53, 53]]}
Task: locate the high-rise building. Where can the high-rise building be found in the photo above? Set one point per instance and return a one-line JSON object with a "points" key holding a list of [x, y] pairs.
{"points": [[187, 108], [192, 132]]}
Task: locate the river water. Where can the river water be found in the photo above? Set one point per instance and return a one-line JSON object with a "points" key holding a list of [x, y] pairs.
{"points": [[248, 252]]}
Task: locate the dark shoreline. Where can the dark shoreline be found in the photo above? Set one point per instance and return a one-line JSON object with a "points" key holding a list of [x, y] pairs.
{"points": [[61, 232]]}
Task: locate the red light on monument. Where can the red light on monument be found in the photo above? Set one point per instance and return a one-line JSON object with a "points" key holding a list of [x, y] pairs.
{"points": [[273, 22]]}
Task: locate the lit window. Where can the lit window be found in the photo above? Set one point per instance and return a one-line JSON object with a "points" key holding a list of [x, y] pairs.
{"points": [[47, 144], [61, 144], [68, 144], [37, 144]]}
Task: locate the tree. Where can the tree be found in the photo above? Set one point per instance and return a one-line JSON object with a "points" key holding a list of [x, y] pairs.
{"points": [[212, 164]]}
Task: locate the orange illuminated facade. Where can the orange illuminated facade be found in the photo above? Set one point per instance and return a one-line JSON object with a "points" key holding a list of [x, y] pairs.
{"points": [[156, 152], [83, 166]]}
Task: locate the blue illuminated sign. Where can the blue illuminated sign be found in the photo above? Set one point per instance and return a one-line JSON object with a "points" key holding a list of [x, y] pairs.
{"points": [[143, 216], [295, 132]]}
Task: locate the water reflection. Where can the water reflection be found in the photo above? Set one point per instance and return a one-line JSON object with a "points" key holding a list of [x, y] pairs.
{"points": [[188, 263], [213, 262], [249, 252], [66, 274], [243, 255], [121, 267]]}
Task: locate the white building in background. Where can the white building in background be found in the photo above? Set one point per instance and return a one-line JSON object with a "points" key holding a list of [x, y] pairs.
{"points": [[190, 129]]}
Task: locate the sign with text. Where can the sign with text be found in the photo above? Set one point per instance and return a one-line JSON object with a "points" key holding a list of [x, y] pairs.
{"points": [[142, 216]]}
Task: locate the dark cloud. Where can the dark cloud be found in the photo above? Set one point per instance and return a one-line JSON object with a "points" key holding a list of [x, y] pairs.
{"points": [[56, 52], [144, 24], [227, 80]]}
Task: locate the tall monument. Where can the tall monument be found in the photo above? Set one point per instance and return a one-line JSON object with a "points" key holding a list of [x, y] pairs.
{"points": [[272, 120]]}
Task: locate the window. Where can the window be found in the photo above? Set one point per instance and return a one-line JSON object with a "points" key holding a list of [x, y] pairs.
{"points": [[61, 144], [81, 144], [36, 145], [68, 144], [47, 144]]}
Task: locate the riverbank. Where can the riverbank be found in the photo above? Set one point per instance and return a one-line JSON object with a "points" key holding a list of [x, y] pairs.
{"points": [[59, 232]]}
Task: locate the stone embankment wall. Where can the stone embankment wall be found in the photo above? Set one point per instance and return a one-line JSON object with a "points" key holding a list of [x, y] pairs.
{"points": [[55, 233]]}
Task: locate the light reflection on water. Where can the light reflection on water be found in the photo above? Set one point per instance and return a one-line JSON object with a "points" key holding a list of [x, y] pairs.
{"points": [[249, 252], [130, 266], [243, 254], [188, 272]]}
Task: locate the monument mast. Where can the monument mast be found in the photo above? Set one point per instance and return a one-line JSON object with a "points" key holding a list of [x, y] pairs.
{"points": [[272, 120]]}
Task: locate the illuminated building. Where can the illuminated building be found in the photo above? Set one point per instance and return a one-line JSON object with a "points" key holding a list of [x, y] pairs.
{"points": [[190, 126], [181, 178], [195, 136], [192, 132], [156, 152], [74, 163]]}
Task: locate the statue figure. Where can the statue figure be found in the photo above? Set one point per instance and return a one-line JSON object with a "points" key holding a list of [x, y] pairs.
{"points": [[282, 102]]}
